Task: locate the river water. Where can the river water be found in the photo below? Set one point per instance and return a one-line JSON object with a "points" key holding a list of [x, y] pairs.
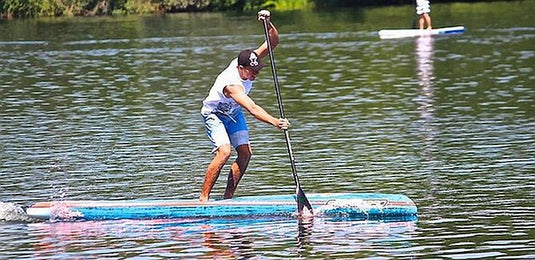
{"points": [[108, 108]]}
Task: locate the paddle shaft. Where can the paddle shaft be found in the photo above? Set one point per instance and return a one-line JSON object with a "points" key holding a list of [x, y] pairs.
{"points": [[301, 198]]}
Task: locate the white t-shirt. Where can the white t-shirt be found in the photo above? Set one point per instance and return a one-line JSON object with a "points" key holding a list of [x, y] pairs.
{"points": [[422, 6], [216, 101]]}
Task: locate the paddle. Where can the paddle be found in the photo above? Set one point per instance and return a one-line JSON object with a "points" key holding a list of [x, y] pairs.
{"points": [[301, 199]]}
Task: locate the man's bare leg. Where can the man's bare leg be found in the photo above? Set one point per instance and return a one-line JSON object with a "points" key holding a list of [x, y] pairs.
{"points": [[214, 168], [238, 169], [427, 18], [421, 21]]}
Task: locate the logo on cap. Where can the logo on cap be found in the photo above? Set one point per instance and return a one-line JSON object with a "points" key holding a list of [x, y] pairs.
{"points": [[253, 60]]}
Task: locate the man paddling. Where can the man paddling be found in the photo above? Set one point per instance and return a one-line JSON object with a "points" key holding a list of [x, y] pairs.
{"points": [[223, 116]]}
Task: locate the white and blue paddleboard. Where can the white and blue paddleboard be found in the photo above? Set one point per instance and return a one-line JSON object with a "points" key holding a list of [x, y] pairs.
{"points": [[400, 33], [353, 205]]}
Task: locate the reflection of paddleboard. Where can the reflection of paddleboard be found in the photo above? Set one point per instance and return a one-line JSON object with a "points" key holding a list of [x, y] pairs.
{"points": [[353, 205], [399, 33]]}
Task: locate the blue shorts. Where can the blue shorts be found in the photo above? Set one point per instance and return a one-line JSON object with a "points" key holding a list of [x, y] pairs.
{"points": [[226, 129]]}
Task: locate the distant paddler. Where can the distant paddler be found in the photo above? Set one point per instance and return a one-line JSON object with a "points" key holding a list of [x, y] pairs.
{"points": [[423, 8]]}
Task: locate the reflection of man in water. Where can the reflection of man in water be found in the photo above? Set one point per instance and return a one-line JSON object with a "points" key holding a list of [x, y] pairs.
{"points": [[424, 53], [422, 10]]}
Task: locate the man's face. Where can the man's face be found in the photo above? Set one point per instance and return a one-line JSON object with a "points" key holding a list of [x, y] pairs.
{"points": [[247, 73]]}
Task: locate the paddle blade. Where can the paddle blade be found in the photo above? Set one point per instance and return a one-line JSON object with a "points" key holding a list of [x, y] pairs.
{"points": [[302, 201]]}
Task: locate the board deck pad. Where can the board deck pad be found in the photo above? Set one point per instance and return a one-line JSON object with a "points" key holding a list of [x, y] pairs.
{"points": [[352, 205], [400, 33]]}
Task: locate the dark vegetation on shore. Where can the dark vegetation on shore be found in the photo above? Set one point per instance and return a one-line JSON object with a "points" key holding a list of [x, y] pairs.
{"points": [[35, 8]]}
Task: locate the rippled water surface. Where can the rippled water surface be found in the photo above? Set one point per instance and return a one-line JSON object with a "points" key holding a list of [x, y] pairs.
{"points": [[108, 108]]}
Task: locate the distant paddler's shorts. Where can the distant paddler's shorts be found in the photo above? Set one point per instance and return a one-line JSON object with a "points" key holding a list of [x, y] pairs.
{"points": [[226, 129], [422, 7]]}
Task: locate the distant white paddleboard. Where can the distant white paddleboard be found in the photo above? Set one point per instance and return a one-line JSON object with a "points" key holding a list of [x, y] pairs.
{"points": [[400, 33]]}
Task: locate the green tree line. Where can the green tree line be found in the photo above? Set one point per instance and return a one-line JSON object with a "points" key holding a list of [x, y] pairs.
{"points": [[34, 8]]}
